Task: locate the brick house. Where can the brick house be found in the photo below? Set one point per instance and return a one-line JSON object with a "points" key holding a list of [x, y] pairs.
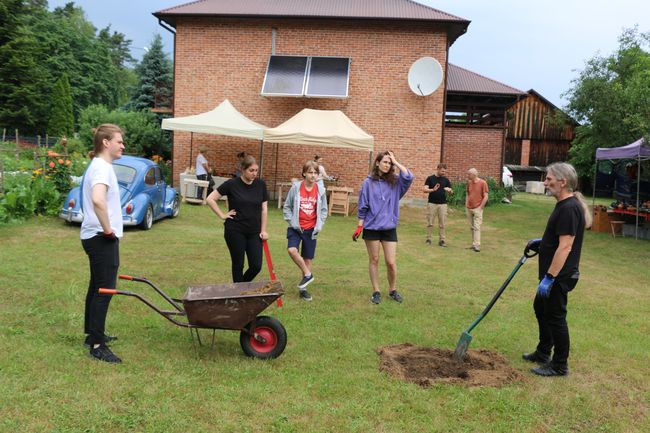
{"points": [[222, 49]]}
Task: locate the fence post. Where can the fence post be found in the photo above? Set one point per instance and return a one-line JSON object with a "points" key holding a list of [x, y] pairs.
{"points": [[4, 134], [16, 137], [38, 140]]}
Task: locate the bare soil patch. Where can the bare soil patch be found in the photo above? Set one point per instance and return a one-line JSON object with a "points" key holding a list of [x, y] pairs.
{"points": [[426, 366]]}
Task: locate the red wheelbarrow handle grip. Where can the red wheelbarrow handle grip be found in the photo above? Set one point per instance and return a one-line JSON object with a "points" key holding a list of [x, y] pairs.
{"points": [[107, 292], [125, 277]]}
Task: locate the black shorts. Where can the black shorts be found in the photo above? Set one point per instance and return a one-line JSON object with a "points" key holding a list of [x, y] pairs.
{"points": [[389, 235]]}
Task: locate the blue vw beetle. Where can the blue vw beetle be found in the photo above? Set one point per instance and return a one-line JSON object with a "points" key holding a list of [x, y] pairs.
{"points": [[144, 195]]}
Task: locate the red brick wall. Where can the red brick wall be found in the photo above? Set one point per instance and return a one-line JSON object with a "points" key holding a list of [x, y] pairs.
{"points": [[473, 146], [219, 59]]}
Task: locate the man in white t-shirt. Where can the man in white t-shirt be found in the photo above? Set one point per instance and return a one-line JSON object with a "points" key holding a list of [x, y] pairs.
{"points": [[202, 170], [101, 230]]}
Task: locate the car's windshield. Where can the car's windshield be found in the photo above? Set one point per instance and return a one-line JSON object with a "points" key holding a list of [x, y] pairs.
{"points": [[124, 174]]}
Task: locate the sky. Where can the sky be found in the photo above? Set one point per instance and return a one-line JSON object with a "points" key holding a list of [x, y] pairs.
{"points": [[541, 45]]}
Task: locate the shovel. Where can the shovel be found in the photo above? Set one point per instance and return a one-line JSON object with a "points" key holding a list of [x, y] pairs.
{"points": [[531, 250]]}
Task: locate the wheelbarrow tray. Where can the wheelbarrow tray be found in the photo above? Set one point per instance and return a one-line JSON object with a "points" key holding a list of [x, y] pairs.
{"points": [[229, 306]]}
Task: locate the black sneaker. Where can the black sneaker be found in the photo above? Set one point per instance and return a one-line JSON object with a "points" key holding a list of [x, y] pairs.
{"points": [[103, 353], [428, 242], [304, 294], [395, 296], [442, 243], [107, 339], [305, 281], [376, 298], [537, 357], [549, 370]]}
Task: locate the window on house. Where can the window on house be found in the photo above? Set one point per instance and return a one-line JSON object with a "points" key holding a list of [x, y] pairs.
{"points": [[316, 77]]}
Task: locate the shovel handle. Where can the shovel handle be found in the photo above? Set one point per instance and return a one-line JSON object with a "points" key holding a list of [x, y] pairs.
{"points": [[269, 263]]}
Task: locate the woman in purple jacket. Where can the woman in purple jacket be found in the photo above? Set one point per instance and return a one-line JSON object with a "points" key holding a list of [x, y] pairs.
{"points": [[378, 213]]}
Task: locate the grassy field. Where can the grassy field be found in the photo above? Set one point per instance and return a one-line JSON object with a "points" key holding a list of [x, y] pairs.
{"points": [[327, 380]]}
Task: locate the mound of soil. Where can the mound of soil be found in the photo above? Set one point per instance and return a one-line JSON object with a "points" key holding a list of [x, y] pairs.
{"points": [[427, 366]]}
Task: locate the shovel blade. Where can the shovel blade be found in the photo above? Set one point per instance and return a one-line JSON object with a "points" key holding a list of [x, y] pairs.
{"points": [[462, 346]]}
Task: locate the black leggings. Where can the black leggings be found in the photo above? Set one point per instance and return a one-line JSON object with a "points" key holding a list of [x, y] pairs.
{"points": [[240, 244], [104, 257]]}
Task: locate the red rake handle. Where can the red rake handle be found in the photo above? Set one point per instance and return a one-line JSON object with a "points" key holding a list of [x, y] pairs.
{"points": [[269, 264]]}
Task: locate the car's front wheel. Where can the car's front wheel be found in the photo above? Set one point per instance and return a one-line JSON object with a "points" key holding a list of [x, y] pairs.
{"points": [[147, 221], [176, 207]]}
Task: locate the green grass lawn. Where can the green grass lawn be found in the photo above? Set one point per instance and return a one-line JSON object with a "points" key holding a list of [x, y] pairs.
{"points": [[327, 380]]}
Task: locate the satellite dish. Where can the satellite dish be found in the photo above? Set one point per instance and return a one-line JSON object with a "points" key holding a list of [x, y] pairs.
{"points": [[425, 76]]}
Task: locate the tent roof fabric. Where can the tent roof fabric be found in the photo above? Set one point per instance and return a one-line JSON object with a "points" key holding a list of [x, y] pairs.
{"points": [[223, 120], [638, 149], [328, 128]]}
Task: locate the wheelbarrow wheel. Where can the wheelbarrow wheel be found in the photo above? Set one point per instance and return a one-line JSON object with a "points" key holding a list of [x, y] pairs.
{"points": [[271, 338]]}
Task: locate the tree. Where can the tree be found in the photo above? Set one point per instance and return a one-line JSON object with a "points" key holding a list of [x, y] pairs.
{"points": [[611, 100], [142, 135], [61, 117], [154, 87]]}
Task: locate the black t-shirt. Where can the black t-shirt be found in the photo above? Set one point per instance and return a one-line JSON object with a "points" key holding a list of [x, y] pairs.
{"points": [[438, 196], [247, 201], [566, 219]]}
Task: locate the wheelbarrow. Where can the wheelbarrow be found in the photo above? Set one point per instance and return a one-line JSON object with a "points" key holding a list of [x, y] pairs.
{"points": [[230, 306]]}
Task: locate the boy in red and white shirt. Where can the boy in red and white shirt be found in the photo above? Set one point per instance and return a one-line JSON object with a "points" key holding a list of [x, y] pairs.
{"points": [[305, 209]]}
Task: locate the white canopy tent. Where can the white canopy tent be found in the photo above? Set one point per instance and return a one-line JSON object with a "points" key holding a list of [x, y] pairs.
{"points": [[223, 120], [329, 128]]}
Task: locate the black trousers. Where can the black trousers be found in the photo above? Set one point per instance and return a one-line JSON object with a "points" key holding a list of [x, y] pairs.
{"points": [[553, 327], [199, 189], [104, 257], [240, 244]]}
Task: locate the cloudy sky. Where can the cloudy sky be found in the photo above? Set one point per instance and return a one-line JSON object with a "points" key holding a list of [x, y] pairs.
{"points": [[527, 45]]}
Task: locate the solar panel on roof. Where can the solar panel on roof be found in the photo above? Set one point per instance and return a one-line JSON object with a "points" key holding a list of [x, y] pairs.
{"points": [[328, 77], [285, 76]]}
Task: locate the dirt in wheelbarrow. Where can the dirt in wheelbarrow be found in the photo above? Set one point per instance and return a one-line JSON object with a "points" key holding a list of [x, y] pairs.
{"points": [[428, 366]]}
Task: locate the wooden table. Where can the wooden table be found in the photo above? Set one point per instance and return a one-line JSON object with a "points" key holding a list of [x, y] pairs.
{"points": [[281, 186]]}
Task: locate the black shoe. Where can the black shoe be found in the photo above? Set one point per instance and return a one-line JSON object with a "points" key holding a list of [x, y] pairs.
{"points": [[548, 370], [537, 357], [442, 243], [107, 339], [305, 296], [305, 281], [395, 296], [103, 353], [428, 242], [376, 298]]}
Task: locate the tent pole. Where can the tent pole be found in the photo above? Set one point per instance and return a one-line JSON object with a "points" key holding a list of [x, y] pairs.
{"points": [[191, 137], [275, 174], [593, 188], [370, 162], [638, 190], [261, 157]]}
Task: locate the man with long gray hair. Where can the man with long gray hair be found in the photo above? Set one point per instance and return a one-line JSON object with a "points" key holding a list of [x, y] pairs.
{"points": [[559, 257]]}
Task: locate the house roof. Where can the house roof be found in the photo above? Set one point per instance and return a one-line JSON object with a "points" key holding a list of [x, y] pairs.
{"points": [[399, 10], [461, 80]]}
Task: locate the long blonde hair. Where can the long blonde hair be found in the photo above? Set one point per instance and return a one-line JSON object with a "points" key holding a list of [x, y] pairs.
{"points": [[565, 171]]}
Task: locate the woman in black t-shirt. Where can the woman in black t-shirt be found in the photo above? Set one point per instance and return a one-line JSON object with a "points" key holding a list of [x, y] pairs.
{"points": [[245, 221]]}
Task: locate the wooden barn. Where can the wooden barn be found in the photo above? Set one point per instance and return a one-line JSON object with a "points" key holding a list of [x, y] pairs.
{"points": [[538, 134]]}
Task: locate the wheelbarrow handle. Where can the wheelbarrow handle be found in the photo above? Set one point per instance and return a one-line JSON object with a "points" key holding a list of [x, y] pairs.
{"points": [[110, 292], [125, 277]]}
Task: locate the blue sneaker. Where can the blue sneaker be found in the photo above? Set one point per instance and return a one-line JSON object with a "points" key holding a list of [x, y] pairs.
{"points": [[305, 281], [376, 298]]}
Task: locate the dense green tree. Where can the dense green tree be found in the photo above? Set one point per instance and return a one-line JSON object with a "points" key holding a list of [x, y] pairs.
{"points": [[611, 100], [23, 78], [118, 45], [61, 117], [154, 88], [142, 135]]}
